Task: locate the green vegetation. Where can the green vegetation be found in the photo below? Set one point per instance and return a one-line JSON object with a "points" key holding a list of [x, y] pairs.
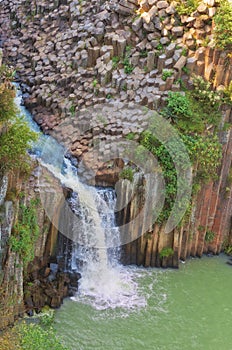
{"points": [[128, 67], [228, 93], [160, 47], [186, 7], [25, 232], [41, 336], [166, 73], [209, 236], [130, 136], [109, 96], [72, 110], [193, 113], [115, 61], [185, 70], [223, 26], [143, 53], [184, 52], [228, 250], [127, 173], [95, 82], [166, 253], [15, 135]]}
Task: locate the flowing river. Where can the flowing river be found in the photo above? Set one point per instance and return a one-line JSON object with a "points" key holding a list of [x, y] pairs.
{"points": [[189, 308]]}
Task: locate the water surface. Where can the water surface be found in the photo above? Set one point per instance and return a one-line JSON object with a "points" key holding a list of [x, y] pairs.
{"points": [[189, 308]]}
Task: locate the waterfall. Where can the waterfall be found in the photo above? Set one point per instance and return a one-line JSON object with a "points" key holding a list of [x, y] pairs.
{"points": [[104, 282]]}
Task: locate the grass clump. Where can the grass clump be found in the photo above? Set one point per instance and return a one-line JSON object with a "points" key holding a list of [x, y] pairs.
{"points": [[127, 173]]}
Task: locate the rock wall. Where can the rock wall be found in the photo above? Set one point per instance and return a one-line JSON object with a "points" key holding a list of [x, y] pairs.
{"points": [[27, 288], [211, 213], [72, 56]]}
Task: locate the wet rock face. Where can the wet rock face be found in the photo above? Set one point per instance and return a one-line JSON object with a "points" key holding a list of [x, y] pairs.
{"points": [[47, 286]]}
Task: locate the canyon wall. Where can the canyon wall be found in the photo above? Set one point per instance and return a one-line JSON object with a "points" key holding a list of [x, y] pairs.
{"points": [[73, 57], [28, 287]]}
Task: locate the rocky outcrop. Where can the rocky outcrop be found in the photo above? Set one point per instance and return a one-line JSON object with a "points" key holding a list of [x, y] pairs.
{"points": [[27, 288], [95, 52], [206, 232]]}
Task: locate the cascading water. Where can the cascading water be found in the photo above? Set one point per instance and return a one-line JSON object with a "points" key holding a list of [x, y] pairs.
{"points": [[104, 283]]}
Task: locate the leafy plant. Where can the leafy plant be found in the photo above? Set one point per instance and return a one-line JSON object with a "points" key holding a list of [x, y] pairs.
{"points": [[128, 67], [35, 337], [115, 61], [223, 26], [166, 73], [15, 135], [95, 82], [209, 236], [127, 173], [185, 70], [72, 110], [159, 47], [166, 252], [184, 51], [178, 106], [14, 144], [25, 232], [130, 136]]}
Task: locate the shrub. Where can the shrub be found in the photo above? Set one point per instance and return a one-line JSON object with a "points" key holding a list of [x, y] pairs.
{"points": [[178, 106], [35, 337], [127, 173], [166, 253], [25, 232], [223, 26], [15, 135], [209, 236], [166, 74], [14, 144]]}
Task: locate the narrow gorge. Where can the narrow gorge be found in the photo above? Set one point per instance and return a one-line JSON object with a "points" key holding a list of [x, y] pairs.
{"points": [[132, 107]]}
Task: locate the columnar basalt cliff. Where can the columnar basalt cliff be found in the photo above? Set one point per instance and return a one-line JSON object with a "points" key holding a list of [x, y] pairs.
{"points": [[88, 70], [28, 287]]}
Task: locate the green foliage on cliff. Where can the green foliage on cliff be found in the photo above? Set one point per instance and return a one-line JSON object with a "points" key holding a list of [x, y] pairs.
{"points": [[15, 135], [193, 113], [209, 236], [166, 253], [25, 232], [223, 26], [127, 173], [196, 110], [14, 143], [25, 336]]}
